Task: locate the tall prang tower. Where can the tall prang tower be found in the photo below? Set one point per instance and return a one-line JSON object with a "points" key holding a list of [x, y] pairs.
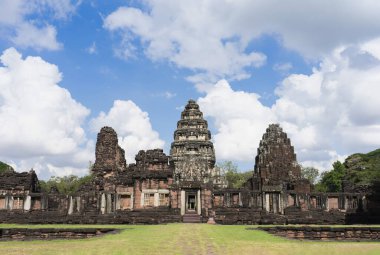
{"points": [[192, 153]]}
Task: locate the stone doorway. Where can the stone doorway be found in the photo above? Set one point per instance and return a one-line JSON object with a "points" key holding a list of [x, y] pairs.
{"points": [[191, 203]]}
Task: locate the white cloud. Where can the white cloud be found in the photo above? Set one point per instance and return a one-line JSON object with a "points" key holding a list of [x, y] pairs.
{"points": [[166, 94], [372, 47], [212, 37], [169, 94], [328, 114], [41, 122], [132, 126], [26, 23], [92, 49], [283, 67], [28, 35], [240, 120], [180, 32]]}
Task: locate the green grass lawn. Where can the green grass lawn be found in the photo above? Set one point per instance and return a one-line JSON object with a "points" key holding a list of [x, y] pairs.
{"points": [[183, 239]]}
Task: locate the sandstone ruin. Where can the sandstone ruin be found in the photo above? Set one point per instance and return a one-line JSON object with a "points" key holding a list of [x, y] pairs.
{"points": [[185, 186]]}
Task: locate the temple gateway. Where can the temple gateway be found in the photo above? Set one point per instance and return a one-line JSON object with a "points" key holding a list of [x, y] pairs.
{"points": [[185, 186]]}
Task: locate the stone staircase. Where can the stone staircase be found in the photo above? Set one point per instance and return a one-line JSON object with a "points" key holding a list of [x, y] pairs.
{"points": [[191, 218]]}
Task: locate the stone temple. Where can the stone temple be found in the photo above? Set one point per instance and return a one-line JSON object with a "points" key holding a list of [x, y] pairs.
{"points": [[184, 186]]}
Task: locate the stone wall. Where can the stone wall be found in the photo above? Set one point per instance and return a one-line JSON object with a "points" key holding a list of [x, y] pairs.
{"points": [[325, 233], [25, 234], [19, 183], [146, 216]]}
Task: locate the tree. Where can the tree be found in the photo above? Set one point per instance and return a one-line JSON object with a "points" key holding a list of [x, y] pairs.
{"points": [[235, 178], [310, 173], [67, 185], [5, 168], [331, 181]]}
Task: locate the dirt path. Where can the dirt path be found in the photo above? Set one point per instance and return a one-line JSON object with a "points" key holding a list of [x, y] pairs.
{"points": [[193, 239]]}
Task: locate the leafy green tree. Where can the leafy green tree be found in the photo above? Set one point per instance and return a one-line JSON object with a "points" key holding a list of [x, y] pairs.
{"points": [[67, 185], [235, 178], [5, 168], [331, 181], [310, 173]]}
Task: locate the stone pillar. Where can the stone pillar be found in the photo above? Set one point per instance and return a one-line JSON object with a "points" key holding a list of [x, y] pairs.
{"points": [[183, 202], [132, 200], [274, 202], [103, 203], [228, 202], [27, 203], [10, 202], [142, 199], [78, 203], [345, 202], [44, 202], [117, 198], [109, 203], [267, 207], [364, 203], [199, 208], [282, 202], [156, 199], [71, 206], [240, 200]]}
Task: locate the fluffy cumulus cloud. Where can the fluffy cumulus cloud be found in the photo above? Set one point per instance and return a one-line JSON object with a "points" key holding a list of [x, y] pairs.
{"points": [[132, 126], [187, 34], [26, 23], [212, 37], [41, 123], [334, 110], [239, 119], [328, 114]]}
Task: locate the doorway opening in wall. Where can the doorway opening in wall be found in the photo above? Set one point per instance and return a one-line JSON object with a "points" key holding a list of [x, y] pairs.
{"points": [[191, 203]]}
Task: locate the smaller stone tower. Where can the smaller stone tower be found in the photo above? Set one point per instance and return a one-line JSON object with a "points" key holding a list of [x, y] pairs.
{"points": [[276, 163], [109, 156]]}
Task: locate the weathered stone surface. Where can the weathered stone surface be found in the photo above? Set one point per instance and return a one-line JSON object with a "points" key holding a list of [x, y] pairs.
{"points": [[109, 156], [325, 233], [276, 161], [28, 234], [276, 166], [26, 181], [152, 160], [192, 153]]}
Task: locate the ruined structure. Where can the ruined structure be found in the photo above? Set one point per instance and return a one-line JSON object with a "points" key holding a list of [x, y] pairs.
{"points": [[110, 157], [276, 162], [184, 186], [19, 191]]}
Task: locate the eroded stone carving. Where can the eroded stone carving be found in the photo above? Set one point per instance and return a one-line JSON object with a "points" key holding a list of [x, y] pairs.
{"points": [[109, 156]]}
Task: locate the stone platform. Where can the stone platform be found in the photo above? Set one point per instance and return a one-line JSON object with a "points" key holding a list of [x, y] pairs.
{"points": [[324, 233], [25, 234]]}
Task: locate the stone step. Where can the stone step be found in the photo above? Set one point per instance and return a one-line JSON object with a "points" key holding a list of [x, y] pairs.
{"points": [[191, 218]]}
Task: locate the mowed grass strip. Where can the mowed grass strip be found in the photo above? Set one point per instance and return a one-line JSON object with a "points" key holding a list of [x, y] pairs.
{"points": [[182, 239]]}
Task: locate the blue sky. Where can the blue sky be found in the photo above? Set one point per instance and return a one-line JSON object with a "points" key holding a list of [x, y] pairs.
{"points": [[70, 67]]}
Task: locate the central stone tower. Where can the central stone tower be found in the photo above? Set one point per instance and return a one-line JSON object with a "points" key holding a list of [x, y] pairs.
{"points": [[192, 153]]}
